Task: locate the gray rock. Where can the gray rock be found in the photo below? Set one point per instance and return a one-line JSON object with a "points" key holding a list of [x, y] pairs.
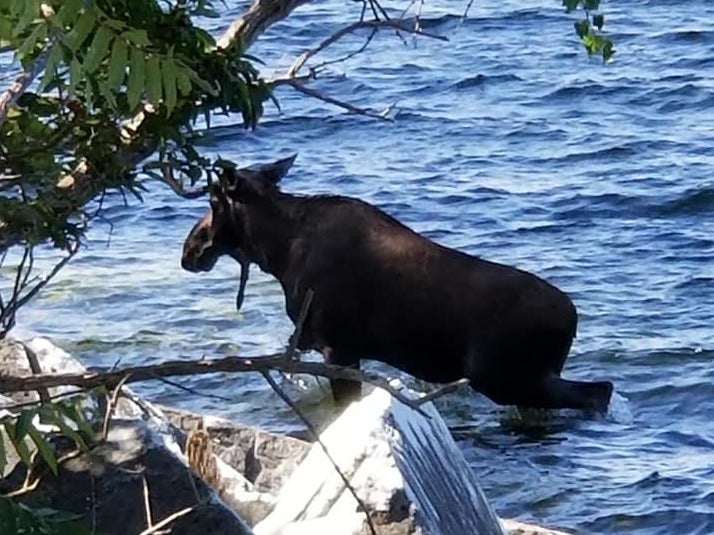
{"points": [[405, 468], [265, 459], [106, 487]]}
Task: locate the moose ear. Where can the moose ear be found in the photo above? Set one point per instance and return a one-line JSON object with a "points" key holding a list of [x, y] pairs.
{"points": [[273, 172], [217, 197]]}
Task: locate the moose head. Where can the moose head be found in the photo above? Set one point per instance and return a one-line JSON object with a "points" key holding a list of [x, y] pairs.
{"points": [[223, 230]]}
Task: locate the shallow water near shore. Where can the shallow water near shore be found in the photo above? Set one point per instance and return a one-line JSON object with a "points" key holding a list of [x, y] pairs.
{"points": [[507, 143]]}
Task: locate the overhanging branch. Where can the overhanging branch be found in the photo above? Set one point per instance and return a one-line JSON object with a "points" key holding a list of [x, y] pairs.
{"points": [[275, 362]]}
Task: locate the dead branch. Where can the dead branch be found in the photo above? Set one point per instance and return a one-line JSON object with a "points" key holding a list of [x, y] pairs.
{"points": [[443, 390], [373, 24], [111, 406], [383, 115], [316, 436], [275, 362]]}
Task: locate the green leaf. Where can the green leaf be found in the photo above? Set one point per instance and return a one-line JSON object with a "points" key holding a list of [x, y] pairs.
{"points": [[117, 64], [68, 13], [28, 46], [23, 423], [75, 75], [137, 36], [46, 451], [153, 79], [607, 50], [168, 76], [99, 48], [81, 30], [570, 5], [582, 28], [69, 410], [52, 413], [203, 84], [20, 446], [3, 455], [137, 77], [29, 14], [183, 81], [53, 60]]}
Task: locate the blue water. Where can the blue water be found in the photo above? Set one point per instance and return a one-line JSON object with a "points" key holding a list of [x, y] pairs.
{"points": [[507, 143]]}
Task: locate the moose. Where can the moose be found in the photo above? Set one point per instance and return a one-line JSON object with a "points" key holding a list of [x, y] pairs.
{"points": [[382, 291]]}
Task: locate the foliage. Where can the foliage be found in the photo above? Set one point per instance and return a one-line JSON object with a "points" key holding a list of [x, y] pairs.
{"points": [[23, 435], [20, 519], [589, 29], [72, 140]]}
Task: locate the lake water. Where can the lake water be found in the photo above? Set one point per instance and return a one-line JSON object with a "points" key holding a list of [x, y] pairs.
{"points": [[508, 143]]}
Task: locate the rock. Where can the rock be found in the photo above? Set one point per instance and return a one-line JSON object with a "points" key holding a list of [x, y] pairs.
{"points": [[106, 484], [405, 468], [263, 458], [106, 487], [252, 464]]}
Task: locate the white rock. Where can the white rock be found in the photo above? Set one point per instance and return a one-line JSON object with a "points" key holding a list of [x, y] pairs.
{"points": [[383, 448]]}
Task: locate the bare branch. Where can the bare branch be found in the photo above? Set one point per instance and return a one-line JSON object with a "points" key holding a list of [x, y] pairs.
{"points": [[373, 24], [383, 116], [186, 366], [443, 390], [167, 177], [111, 406]]}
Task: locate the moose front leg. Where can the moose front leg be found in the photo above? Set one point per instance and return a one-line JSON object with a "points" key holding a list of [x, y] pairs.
{"points": [[344, 391]]}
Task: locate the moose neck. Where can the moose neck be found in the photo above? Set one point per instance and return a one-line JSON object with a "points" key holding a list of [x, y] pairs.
{"points": [[271, 230]]}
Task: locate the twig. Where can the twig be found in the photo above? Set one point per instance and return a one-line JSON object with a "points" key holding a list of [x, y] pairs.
{"points": [[167, 177], [111, 406], [166, 521], [147, 503], [316, 436], [36, 369], [388, 23], [277, 362], [344, 58], [335, 102], [443, 390], [193, 390]]}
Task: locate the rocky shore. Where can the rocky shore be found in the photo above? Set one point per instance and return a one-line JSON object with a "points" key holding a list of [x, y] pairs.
{"points": [[201, 475]]}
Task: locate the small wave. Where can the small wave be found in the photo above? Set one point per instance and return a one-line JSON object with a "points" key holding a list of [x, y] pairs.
{"points": [[482, 79], [591, 89], [691, 202], [687, 36]]}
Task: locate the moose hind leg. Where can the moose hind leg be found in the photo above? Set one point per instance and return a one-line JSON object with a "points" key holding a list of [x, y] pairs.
{"points": [[344, 391], [554, 392]]}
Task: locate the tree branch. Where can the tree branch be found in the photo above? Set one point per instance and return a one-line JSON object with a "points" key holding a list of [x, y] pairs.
{"points": [[374, 24], [275, 362], [259, 17], [76, 188]]}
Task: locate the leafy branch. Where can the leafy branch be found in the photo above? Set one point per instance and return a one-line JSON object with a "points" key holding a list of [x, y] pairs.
{"points": [[589, 29]]}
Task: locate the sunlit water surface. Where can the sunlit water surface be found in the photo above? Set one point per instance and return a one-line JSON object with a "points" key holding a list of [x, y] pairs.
{"points": [[510, 144]]}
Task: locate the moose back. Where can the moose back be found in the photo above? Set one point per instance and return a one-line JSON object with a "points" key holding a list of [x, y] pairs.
{"points": [[382, 291]]}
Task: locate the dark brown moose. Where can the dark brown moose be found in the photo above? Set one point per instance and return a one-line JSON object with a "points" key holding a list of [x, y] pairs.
{"points": [[381, 291]]}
